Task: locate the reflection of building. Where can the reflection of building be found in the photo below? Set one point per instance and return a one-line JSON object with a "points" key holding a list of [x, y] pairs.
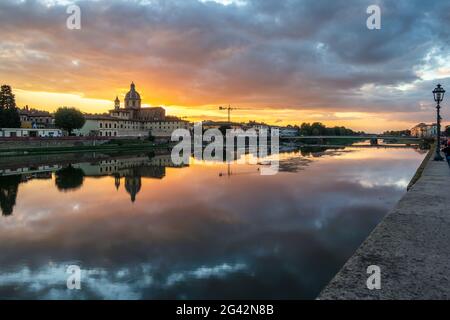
{"points": [[30, 172], [132, 169], [70, 177], [131, 120], [423, 130], [133, 184], [10, 180]]}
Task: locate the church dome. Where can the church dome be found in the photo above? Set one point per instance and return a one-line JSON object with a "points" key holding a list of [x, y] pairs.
{"points": [[133, 185], [133, 94]]}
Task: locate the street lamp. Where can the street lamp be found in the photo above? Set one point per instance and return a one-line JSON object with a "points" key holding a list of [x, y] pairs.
{"points": [[438, 94]]}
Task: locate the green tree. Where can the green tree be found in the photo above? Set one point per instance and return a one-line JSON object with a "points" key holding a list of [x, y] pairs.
{"points": [[305, 129], [9, 115], [9, 186], [69, 178], [318, 129], [447, 131], [69, 119]]}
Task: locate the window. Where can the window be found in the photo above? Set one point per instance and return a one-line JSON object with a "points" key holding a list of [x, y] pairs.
{"points": [[101, 124]]}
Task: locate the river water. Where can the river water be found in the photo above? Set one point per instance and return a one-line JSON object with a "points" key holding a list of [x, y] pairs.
{"points": [[140, 227]]}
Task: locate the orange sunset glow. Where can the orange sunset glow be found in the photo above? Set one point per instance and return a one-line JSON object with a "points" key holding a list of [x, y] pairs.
{"points": [[192, 56]]}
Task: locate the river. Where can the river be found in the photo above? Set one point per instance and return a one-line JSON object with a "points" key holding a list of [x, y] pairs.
{"points": [[140, 227]]}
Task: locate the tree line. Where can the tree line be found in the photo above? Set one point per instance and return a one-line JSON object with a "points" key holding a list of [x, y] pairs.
{"points": [[319, 129], [67, 119], [401, 133]]}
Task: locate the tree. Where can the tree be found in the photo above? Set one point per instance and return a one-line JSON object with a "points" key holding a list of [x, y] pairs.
{"points": [[447, 131], [9, 186], [319, 129], [9, 115], [69, 119], [69, 178], [404, 133], [305, 129]]}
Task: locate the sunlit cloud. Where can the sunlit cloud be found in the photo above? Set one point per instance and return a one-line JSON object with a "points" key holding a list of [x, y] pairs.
{"points": [[278, 62]]}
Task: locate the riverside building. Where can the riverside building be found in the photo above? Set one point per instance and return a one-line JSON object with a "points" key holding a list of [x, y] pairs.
{"points": [[131, 120]]}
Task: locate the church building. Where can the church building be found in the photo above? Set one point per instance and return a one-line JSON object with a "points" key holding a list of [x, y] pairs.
{"points": [[132, 120]]}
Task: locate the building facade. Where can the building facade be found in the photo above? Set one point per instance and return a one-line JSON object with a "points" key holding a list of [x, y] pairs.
{"points": [[132, 120], [36, 119], [423, 130], [30, 133]]}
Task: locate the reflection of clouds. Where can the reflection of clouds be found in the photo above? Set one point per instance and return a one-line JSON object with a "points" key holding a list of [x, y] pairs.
{"points": [[386, 182], [279, 236], [49, 282], [205, 273], [294, 164]]}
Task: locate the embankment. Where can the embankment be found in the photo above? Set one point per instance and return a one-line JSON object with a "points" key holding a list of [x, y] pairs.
{"points": [[410, 246]]}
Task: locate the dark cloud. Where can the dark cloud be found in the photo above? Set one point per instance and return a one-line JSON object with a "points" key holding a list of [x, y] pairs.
{"points": [[299, 54]]}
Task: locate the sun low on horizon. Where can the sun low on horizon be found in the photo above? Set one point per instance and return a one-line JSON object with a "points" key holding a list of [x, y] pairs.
{"points": [[278, 63]]}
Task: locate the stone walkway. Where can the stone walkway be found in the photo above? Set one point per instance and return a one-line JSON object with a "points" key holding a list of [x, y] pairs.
{"points": [[411, 246]]}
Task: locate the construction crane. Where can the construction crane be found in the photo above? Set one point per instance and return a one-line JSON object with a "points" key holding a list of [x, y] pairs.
{"points": [[229, 109]]}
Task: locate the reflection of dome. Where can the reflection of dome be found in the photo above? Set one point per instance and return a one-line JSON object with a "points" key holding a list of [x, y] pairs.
{"points": [[132, 98], [133, 186], [117, 181]]}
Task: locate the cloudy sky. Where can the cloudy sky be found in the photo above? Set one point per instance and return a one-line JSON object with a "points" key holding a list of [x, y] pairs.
{"points": [[282, 62]]}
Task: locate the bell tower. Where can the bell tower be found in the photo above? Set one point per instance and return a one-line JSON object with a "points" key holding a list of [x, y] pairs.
{"points": [[117, 103]]}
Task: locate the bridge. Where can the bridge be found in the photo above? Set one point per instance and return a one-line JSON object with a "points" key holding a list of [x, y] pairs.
{"points": [[361, 146], [374, 139], [368, 137]]}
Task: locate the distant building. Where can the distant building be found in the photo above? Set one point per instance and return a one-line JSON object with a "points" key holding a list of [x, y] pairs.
{"points": [[23, 133], [208, 124], [258, 127], [423, 130], [132, 120], [36, 119], [286, 132]]}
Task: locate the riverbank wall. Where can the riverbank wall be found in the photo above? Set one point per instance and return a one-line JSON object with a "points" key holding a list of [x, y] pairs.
{"points": [[38, 146], [408, 251]]}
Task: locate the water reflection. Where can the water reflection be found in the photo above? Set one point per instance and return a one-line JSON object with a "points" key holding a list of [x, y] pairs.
{"points": [[189, 233], [70, 176], [9, 186]]}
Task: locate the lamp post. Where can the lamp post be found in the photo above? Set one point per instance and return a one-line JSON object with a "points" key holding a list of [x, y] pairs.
{"points": [[438, 94]]}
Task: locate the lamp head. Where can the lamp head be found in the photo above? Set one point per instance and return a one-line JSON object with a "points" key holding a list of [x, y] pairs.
{"points": [[438, 93]]}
